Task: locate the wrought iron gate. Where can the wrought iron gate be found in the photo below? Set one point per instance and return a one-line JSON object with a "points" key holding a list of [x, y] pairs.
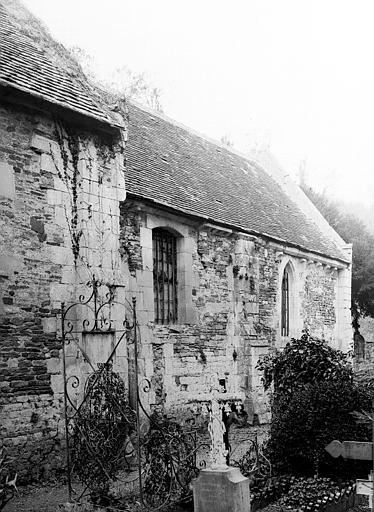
{"points": [[113, 449]]}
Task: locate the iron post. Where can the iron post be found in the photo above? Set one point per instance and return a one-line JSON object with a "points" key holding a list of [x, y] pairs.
{"points": [[372, 485], [65, 400], [135, 326]]}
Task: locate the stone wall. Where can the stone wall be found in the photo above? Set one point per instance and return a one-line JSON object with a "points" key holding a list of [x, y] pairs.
{"points": [[59, 199], [64, 218], [230, 286], [319, 301], [367, 331]]}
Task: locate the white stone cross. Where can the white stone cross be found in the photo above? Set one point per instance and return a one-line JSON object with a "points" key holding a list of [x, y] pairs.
{"points": [[216, 430]]}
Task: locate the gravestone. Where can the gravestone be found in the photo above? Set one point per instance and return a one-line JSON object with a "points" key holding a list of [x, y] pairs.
{"points": [[365, 488], [225, 490], [220, 488], [357, 450]]}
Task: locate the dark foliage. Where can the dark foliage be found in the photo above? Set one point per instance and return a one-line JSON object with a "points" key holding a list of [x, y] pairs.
{"points": [[170, 464], [254, 464], [100, 432], [262, 494], [301, 362], [314, 400], [314, 493], [313, 416]]}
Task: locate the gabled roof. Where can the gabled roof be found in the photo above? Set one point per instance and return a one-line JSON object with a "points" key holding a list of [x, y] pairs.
{"points": [[32, 62], [167, 163], [177, 168]]}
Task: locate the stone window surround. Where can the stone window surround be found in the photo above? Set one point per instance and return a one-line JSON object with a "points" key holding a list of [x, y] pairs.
{"points": [[187, 313], [294, 306], [300, 258], [285, 302], [166, 296]]}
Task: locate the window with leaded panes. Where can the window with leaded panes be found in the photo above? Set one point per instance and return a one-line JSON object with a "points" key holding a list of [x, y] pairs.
{"points": [[165, 276], [285, 308]]}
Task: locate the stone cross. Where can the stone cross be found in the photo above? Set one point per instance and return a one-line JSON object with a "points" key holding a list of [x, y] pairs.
{"points": [[216, 430], [219, 487]]}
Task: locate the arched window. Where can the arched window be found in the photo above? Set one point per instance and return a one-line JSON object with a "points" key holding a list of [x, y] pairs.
{"points": [[285, 306], [164, 246]]}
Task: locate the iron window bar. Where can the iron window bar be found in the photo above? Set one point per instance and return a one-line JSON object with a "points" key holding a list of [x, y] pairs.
{"points": [[165, 276]]}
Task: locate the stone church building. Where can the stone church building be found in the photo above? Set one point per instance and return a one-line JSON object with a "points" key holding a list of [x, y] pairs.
{"points": [[225, 256]]}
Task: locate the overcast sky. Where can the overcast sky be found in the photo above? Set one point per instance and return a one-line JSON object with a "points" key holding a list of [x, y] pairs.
{"points": [[294, 75]]}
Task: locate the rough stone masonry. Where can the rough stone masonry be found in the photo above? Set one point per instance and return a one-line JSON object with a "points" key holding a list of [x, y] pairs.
{"points": [[77, 200], [39, 270], [60, 224], [230, 313]]}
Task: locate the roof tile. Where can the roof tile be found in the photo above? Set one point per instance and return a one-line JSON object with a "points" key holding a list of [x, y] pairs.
{"points": [[173, 166], [31, 61]]}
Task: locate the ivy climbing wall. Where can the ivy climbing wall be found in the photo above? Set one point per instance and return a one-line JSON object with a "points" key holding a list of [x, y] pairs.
{"points": [[59, 202]]}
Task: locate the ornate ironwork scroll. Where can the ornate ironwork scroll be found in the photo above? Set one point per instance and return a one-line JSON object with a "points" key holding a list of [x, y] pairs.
{"points": [[99, 422], [107, 440], [166, 452]]}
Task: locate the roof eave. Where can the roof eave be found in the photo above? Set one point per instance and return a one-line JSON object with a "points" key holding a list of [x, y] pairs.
{"points": [[235, 227], [20, 95]]}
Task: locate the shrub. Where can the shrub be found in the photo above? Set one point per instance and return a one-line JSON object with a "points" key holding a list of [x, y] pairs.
{"points": [[303, 361], [99, 432], [313, 403], [254, 464], [303, 424], [169, 462]]}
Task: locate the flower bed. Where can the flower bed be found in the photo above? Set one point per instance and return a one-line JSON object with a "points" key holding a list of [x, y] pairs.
{"points": [[264, 492], [304, 494]]}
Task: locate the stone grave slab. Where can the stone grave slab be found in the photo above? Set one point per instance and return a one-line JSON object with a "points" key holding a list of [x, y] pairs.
{"points": [[225, 490]]}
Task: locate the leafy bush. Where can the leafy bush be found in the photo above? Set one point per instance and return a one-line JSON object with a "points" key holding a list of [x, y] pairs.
{"points": [[169, 462], [254, 464], [364, 377], [99, 433], [303, 361], [313, 403], [303, 424]]}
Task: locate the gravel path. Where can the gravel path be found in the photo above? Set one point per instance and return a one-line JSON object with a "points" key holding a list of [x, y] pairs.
{"points": [[34, 498], [54, 497]]}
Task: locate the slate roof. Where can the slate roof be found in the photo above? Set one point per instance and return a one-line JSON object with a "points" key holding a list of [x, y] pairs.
{"points": [[167, 163], [32, 62], [176, 168]]}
